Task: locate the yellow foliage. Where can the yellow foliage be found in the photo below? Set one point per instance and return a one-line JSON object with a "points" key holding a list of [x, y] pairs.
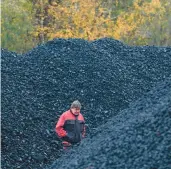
{"points": [[87, 19], [81, 19], [138, 23]]}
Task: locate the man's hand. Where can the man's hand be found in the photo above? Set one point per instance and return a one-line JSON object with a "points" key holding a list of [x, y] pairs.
{"points": [[70, 136]]}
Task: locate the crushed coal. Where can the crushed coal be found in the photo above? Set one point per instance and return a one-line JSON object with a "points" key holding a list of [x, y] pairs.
{"points": [[138, 137], [105, 75]]}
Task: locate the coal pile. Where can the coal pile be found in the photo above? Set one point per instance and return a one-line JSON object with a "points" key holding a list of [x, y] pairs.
{"points": [[105, 75], [138, 137]]}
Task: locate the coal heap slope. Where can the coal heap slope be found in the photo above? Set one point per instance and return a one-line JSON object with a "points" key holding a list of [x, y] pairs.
{"points": [[105, 75], [138, 137]]}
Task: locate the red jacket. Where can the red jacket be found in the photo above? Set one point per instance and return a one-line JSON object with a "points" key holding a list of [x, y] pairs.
{"points": [[71, 128]]}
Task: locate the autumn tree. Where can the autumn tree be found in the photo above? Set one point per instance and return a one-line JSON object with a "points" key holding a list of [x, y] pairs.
{"points": [[41, 19], [116, 7], [145, 23], [78, 19]]}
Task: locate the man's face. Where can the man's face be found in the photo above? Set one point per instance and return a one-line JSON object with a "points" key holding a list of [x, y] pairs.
{"points": [[75, 111]]}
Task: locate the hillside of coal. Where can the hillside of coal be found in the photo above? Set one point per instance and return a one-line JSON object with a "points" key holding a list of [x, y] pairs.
{"points": [[105, 75], [138, 137]]}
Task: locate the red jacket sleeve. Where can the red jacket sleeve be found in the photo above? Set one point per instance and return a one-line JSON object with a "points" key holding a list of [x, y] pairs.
{"points": [[59, 126]]}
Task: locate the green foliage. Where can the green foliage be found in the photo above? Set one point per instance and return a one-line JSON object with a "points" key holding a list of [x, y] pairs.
{"points": [[16, 25]]}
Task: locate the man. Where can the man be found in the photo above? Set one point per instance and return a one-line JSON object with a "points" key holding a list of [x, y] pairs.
{"points": [[71, 125]]}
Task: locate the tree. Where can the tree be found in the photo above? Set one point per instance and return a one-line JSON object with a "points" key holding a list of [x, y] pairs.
{"points": [[78, 19], [16, 23], [145, 23]]}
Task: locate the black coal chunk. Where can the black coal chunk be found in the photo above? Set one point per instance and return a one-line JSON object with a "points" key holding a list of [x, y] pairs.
{"points": [[105, 75], [138, 137]]}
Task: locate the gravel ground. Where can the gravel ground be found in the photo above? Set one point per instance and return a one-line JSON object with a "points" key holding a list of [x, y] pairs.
{"points": [[105, 75]]}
